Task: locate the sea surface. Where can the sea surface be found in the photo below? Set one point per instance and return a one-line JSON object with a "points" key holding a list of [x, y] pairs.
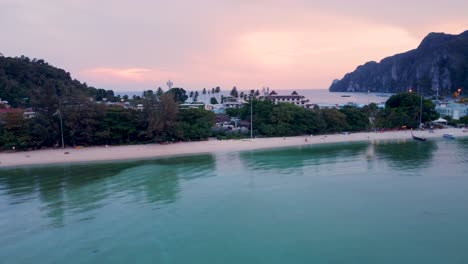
{"points": [[388, 202], [315, 96]]}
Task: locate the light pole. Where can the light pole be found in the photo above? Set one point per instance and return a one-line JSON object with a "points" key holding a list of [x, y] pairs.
{"points": [[251, 117], [61, 126], [421, 111], [368, 91]]}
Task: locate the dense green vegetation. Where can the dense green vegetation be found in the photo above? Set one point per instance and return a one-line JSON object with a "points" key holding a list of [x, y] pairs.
{"points": [[57, 99], [286, 119], [58, 102], [23, 80], [404, 110]]}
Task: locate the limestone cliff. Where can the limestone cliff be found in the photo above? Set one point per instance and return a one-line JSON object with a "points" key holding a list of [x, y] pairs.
{"points": [[439, 63]]}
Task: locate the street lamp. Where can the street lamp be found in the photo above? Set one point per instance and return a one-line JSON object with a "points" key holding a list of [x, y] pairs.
{"points": [[421, 112], [61, 126], [251, 117]]}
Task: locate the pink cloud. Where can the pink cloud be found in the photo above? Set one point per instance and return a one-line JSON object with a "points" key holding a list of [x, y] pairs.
{"points": [[126, 75]]}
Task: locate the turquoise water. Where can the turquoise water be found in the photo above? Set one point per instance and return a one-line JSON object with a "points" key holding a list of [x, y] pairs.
{"points": [[403, 202]]}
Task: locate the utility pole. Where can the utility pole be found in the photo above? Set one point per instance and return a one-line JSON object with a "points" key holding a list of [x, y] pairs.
{"points": [[61, 126], [251, 117], [61, 129], [368, 91], [420, 114]]}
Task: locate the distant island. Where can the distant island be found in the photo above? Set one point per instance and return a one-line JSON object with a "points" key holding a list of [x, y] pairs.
{"points": [[439, 64]]}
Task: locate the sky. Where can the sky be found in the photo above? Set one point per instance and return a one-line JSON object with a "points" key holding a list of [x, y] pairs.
{"points": [[283, 44]]}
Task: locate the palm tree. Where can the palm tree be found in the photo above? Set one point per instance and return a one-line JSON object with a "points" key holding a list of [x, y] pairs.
{"points": [[191, 95], [204, 93], [218, 91]]}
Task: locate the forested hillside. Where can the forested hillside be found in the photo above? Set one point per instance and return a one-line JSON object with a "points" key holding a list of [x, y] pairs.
{"points": [[24, 81]]}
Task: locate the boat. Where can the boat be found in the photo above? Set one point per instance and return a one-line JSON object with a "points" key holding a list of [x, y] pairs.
{"points": [[417, 138], [448, 136], [346, 95]]}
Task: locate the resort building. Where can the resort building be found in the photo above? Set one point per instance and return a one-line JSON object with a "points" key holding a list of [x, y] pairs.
{"points": [[4, 104], [192, 105], [452, 109], [294, 98], [232, 102]]}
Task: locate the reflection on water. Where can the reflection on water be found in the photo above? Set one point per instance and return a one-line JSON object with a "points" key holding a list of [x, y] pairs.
{"points": [[406, 154], [290, 205], [294, 160], [83, 189]]}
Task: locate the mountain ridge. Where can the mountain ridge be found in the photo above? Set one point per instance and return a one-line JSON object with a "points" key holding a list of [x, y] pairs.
{"points": [[440, 62]]}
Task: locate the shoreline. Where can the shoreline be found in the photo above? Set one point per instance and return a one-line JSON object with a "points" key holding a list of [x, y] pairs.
{"points": [[136, 152]]}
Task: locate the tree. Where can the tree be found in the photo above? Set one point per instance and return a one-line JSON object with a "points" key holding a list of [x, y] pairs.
{"points": [[162, 120], [356, 118], [15, 131], [179, 95], [80, 122], [194, 124], [204, 94], [195, 97], [213, 100], [160, 92], [233, 112], [335, 120], [118, 126], [409, 105], [463, 120], [234, 93]]}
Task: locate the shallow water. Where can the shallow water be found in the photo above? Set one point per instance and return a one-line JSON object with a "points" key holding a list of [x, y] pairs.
{"points": [[391, 202]]}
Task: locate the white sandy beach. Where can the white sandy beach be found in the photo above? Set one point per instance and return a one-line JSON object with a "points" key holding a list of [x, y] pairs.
{"points": [[113, 153]]}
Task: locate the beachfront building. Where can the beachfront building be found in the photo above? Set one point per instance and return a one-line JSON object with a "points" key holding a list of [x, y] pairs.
{"points": [[232, 102], [326, 106], [294, 98], [4, 104], [192, 105], [452, 109]]}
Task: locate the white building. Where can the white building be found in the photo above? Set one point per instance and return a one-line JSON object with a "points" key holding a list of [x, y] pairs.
{"points": [[231, 102], [294, 98], [452, 109]]}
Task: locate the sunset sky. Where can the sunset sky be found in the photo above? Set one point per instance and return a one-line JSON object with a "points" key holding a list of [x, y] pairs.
{"points": [[283, 44]]}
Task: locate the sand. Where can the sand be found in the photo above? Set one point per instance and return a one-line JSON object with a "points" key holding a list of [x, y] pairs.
{"points": [[114, 153]]}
